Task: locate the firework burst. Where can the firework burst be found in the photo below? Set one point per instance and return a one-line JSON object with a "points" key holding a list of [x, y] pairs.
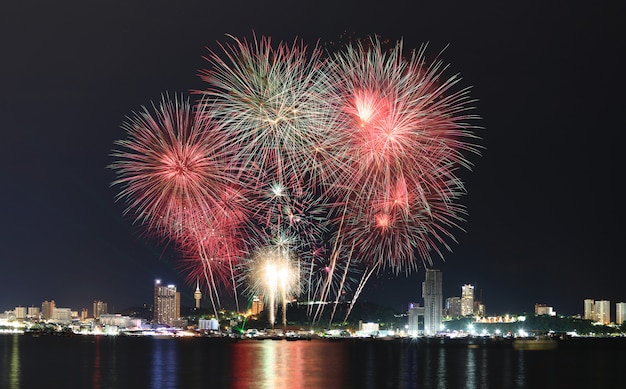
{"points": [[270, 100], [172, 164], [405, 133]]}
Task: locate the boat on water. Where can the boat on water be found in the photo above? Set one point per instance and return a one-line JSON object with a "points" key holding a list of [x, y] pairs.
{"points": [[535, 343]]}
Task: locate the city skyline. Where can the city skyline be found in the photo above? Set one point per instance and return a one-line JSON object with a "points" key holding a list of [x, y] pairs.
{"points": [[167, 306], [540, 199]]}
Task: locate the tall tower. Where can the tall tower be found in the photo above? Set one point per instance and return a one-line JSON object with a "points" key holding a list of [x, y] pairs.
{"points": [[166, 303], [197, 295], [433, 301]]}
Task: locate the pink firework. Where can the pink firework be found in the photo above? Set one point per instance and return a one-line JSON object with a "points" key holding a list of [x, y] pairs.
{"points": [[405, 134], [214, 247], [173, 164]]}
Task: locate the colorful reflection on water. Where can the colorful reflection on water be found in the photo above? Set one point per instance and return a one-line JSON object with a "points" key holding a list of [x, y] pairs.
{"points": [[286, 364], [116, 362]]}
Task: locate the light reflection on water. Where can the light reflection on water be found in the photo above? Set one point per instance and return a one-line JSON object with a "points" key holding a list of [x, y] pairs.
{"points": [[109, 362], [14, 378], [285, 364], [164, 367]]}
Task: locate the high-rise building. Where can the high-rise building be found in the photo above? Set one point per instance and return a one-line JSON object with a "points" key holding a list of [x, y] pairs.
{"points": [[166, 303], [479, 309], [432, 293], [84, 313], [620, 313], [257, 305], [197, 295], [453, 307], [99, 308], [467, 300], [589, 310], [47, 309], [603, 311], [20, 313]]}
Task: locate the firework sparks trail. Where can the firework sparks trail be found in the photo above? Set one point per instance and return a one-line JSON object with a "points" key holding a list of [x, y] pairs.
{"points": [[348, 162], [213, 252]]}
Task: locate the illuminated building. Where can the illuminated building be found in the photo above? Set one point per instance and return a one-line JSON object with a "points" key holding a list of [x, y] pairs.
{"points": [[33, 312], [208, 324], [197, 295], [416, 319], [467, 300], [453, 306], [603, 311], [62, 315], [257, 305], [99, 309], [433, 301], [116, 320], [166, 303], [620, 313], [84, 314], [590, 310], [542, 309], [20, 313], [47, 309], [479, 309]]}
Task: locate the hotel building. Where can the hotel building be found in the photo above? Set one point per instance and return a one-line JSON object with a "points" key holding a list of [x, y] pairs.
{"points": [[166, 304]]}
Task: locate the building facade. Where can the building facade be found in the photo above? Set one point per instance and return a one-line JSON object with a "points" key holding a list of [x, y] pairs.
{"points": [[20, 313], [256, 306], [99, 308], [432, 292], [603, 311], [47, 309], [543, 309], [589, 310], [416, 319], [33, 312], [166, 304], [467, 300], [620, 313], [453, 307]]}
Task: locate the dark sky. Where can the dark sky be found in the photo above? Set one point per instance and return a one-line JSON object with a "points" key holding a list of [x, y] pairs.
{"points": [[545, 200]]}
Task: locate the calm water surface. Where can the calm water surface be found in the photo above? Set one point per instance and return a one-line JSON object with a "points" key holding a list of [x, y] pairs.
{"points": [[119, 362]]}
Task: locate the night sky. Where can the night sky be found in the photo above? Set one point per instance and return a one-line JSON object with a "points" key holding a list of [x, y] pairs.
{"points": [[545, 199]]}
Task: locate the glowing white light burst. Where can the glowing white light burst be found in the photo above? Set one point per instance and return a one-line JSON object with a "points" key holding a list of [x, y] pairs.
{"points": [[275, 275]]}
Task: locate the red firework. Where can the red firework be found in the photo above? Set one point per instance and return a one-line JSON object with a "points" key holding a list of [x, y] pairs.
{"points": [[404, 136], [173, 164]]}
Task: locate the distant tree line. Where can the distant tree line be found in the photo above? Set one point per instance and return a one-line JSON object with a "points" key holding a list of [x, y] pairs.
{"points": [[537, 323]]}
